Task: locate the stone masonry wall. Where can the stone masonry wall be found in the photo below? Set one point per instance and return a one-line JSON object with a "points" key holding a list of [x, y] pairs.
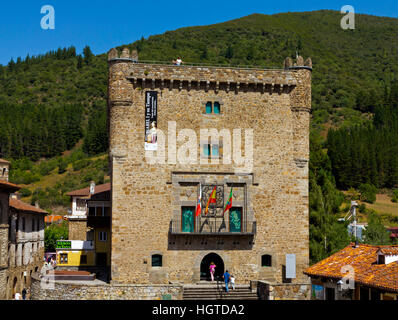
{"points": [[59, 290], [284, 291], [77, 229], [274, 103]]}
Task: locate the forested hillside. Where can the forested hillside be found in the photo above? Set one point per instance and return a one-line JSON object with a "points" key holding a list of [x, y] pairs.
{"points": [[57, 102]]}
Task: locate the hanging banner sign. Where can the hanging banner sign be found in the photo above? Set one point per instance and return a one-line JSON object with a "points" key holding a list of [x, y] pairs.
{"points": [[151, 118]]}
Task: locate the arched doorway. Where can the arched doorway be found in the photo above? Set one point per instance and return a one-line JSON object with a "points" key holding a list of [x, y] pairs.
{"points": [[205, 264]]}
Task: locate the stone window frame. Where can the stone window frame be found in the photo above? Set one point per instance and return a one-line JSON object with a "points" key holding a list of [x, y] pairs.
{"points": [[213, 99], [230, 178], [265, 265], [154, 253], [211, 156]]}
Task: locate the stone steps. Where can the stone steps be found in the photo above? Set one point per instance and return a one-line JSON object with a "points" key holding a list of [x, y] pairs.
{"points": [[214, 292]]}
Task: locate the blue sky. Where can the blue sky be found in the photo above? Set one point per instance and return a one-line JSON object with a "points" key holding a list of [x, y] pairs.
{"points": [[105, 24]]}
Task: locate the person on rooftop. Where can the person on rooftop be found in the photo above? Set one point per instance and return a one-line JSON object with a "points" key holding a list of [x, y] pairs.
{"points": [[178, 62]]}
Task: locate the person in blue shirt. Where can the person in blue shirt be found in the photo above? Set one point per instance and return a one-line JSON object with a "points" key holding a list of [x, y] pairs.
{"points": [[226, 277]]}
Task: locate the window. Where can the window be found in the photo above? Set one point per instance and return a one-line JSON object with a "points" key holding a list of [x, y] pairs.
{"points": [[80, 205], [235, 219], [215, 150], [213, 107], [266, 260], [102, 236], [157, 260], [206, 150], [216, 108], [209, 108], [99, 212], [91, 211], [63, 258], [23, 224], [211, 151], [83, 259], [187, 219]]}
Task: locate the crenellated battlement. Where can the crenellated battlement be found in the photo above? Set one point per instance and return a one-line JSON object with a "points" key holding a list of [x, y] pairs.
{"points": [[199, 77]]}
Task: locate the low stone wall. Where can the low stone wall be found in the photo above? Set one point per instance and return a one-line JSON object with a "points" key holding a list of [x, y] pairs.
{"points": [[283, 291], [96, 290]]}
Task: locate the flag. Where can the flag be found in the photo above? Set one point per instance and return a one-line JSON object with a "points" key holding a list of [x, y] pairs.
{"points": [[199, 204], [229, 202], [212, 199]]}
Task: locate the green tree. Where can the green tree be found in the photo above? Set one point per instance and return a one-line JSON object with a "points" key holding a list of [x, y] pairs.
{"points": [[53, 233], [375, 233], [368, 192]]}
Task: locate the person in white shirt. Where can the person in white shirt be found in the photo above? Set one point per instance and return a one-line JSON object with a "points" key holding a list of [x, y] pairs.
{"points": [[17, 296], [178, 62], [233, 282]]}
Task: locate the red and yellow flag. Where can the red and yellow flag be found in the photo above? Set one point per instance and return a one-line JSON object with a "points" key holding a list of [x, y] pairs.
{"points": [[212, 199]]}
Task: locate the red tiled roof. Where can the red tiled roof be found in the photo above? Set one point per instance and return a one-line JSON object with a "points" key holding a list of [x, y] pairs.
{"points": [[363, 259], [389, 251], [22, 206], [9, 186], [86, 191], [4, 161], [52, 219]]}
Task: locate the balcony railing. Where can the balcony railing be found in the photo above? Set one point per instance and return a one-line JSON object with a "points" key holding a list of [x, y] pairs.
{"points": [[212, 226]]}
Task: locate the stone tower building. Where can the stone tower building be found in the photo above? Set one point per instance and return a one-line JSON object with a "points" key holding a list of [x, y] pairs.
{"points": [[162, 110]]}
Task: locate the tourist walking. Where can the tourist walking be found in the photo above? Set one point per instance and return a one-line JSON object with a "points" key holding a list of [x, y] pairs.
{"points": [[233, 282], [226, 277], [212, 270]]}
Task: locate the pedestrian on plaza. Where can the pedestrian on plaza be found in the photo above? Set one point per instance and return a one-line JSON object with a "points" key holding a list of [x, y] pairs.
{"points": [[24, 294], [212, 270], [226, 277], [233, 282], [17, 296]]}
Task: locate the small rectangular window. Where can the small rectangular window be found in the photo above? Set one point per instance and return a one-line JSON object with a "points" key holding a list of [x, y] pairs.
{"points": [[156, 260], [216, 108], [215, 150], [102, 236], [63, 258], [209, 108], [83, 259], [206, 150]]}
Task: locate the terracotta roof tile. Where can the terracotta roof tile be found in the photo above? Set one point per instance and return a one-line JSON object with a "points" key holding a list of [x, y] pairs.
{"points": [[389, 250], [86, 191], [4, 161], [22, 206], [363, 259], [9, 186], [52, 219]]}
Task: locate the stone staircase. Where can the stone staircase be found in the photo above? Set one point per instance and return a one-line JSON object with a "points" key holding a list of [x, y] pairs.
{"points": [[216, 291]]}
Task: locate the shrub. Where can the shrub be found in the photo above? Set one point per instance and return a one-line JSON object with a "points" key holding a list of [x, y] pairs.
{"points": [[394, 195], [78, 165], [25, 192], [368, 192], [62, 165]]}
